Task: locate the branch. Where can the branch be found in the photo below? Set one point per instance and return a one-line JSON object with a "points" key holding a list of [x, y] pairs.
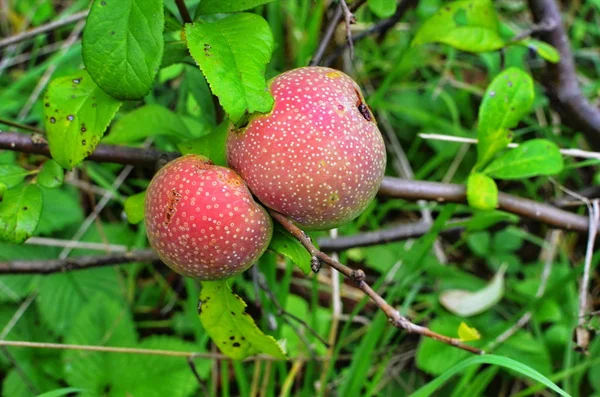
{"points": [[391, 187], [358, 276], [43, 29], [561, 82], [448, 192], [48, 266], [37, 144]]}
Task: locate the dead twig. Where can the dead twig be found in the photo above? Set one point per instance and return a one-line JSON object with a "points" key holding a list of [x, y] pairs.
{"points": [[358, 276]]}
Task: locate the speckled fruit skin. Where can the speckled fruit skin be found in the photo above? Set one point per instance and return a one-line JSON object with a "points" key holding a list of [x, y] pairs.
{"points": [[318, 156], [202, 220]]}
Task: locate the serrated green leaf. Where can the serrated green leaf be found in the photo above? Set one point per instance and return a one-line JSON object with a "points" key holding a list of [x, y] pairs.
{"points": [[543, 49], [152, 120], [11, 174], [51, 175], [482, 192], [382, 8], [466, 303], [286, 245], [233, 53], [76, 114], [134, 207], [212, 145], [61, 210], [224, 318], [144, 375], [100, 322], [20, 211], [227, 6], [123, 45], [466, 25], [507, 99], [532, 158]]}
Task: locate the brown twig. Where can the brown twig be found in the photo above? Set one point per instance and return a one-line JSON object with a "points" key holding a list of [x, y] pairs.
{"points": [[78, 263], [349, 19], [358, 276], [330, 30], [183, 11], [17, 38], [561, 82], [448, 192], [381, 27]]}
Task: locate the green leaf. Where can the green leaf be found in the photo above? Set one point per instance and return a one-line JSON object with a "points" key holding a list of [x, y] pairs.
{"points": [[144, 375], [227, 6], [382, 8], [60, 392], [101, 322], [467, 334], [233, 53], [543, 49], [485, 219], [51, 175], [467, 304], [175, 52], [62, 209], [465, 25], [76, 114], [532, 158], [507, 99], [134, 207], [20, 211], [123, 45], [224, 318], [11, 175], [482, 192], [286, 245], [212, 145], [430, 388], [152, 120]]}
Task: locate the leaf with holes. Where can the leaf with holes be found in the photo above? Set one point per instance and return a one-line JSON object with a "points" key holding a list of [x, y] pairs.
{"points": [[76, 114], [233, 53], [123, 45], [508, 98], [20, 211], [465, 25], [532, 158], [286, 245], [223, 315]]}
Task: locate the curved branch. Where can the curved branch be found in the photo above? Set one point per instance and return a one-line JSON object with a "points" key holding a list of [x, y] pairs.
{"points": [[561, 82]]}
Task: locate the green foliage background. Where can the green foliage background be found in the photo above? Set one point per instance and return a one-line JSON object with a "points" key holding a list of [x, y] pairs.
{"points": [[419, 82]]}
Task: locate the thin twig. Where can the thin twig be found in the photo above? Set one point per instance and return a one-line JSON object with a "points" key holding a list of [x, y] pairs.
{"points": [[17, 316], [20, 125], [358, 276], [54, 242], [582, 334], [349, 19], [183, 11], [78, 263], [17, 38], [585, 154]]}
